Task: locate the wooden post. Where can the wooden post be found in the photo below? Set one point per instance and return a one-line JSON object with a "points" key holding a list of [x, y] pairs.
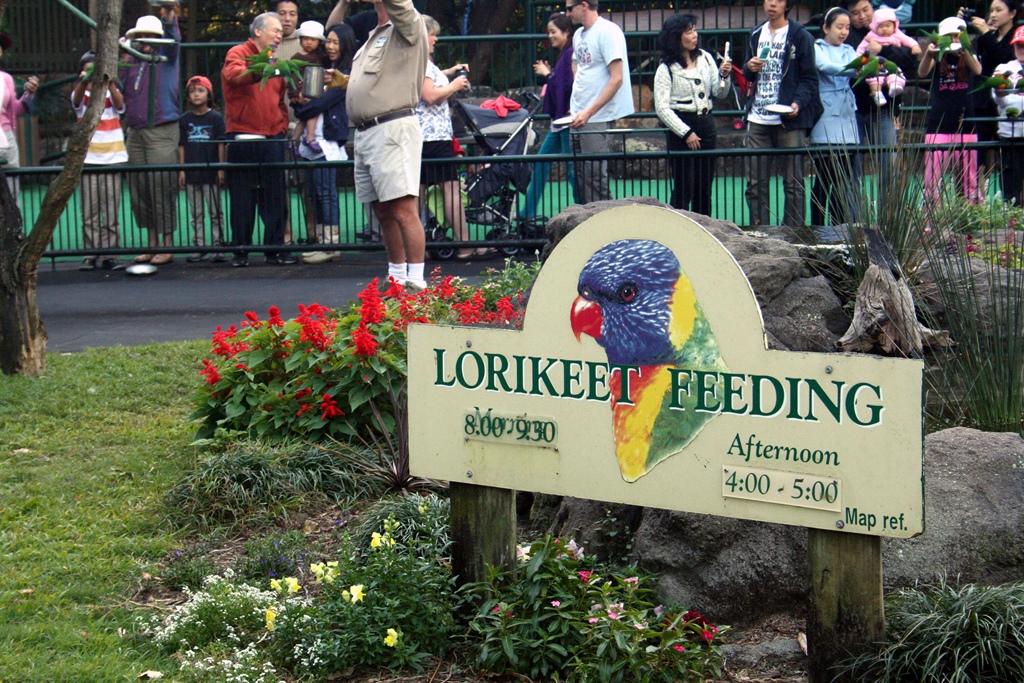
{"points": [[483, 528], [846, 613]]}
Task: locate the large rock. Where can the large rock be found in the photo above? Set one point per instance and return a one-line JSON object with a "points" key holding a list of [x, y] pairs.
{"points": [[806, 316], [737, 571], [974, 512]]}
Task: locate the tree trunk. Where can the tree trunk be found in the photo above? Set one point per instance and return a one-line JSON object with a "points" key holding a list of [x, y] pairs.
{"points": [[489, 18], [22, 335]]}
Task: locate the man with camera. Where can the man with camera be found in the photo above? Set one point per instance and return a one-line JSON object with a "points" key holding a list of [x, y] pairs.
{"points": [[152, 111]]}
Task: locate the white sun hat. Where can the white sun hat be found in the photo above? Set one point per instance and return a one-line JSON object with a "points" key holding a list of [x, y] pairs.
{"points": [[311, 29], [952, 26], [147, 24]]}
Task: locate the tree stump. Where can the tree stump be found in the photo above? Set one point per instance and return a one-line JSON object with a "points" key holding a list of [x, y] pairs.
{"points": [[884, 318]]}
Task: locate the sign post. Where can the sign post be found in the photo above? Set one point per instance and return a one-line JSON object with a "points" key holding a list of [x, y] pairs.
{"points": [[642, 376]]}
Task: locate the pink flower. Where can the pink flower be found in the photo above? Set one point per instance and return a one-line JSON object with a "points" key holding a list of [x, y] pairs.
{"points": [[708, 635], [585, 576], [555, 603], [633, 579], [593, 620], [677, 648]]}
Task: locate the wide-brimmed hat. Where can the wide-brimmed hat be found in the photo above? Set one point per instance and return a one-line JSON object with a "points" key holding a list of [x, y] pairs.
{"points": [[952, 26], [5, 41], [148, 24], [311, 29]]}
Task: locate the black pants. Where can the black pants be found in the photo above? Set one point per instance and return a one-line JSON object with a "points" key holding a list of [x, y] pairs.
{"points": [[693, 174], [1011, 173], [257, 188], [834, 198]]}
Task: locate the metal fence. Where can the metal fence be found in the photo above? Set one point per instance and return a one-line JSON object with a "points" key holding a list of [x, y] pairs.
{"points": [[632, 172]]}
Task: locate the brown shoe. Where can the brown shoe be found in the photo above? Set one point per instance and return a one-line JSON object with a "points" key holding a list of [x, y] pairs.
{"points": [[144, 258], [161, 259]]}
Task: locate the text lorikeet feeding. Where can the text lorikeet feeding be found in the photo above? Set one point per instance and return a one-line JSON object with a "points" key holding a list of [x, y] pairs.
{"points": [[636, 302]]}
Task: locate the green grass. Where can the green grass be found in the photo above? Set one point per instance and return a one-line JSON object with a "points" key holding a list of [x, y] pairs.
{"points": [[87, 453]]}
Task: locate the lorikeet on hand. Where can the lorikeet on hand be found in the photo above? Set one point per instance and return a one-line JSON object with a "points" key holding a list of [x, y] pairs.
{"points": [[866, 66], [998, 81], [636, 302]]}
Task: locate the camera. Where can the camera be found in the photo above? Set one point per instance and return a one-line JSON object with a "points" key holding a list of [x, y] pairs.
{"points": [[461, 72], [968, 13]]}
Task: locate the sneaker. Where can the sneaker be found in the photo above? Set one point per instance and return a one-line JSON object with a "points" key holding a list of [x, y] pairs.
{"points": [[288, 258], [112, 264], [218, 258], [313, 146], [88, 263], [197, 256], [415, 286], [879, 99], [240, 261]]}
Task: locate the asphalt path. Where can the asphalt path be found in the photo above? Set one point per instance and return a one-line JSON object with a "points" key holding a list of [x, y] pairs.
{"points": [[183, 301]]}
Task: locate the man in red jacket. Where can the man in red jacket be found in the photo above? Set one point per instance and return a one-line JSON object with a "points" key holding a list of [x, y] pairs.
{"points": [[257, 121]]}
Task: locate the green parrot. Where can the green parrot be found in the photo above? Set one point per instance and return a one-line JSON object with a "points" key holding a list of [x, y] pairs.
{"points": [[870, 69], [941, 42], [997, 81]]}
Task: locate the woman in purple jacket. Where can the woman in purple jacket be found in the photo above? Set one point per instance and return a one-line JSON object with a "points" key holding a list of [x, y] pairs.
{"points": [[558, 88]]}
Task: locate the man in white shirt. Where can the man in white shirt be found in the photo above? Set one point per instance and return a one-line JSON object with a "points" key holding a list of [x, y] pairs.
{"points": [[601, 93]]}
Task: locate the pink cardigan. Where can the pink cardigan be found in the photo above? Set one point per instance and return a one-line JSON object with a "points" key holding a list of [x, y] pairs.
{"points": [[13, 107]]}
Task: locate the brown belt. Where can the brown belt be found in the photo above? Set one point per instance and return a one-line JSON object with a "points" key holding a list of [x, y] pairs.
{"points": [[384, 118]]}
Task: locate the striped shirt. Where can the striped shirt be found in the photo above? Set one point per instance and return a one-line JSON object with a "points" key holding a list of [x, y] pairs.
{"points": [[107, 144]]}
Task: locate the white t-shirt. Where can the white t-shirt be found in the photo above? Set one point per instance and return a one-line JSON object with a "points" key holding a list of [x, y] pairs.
{"points": [[593, 50], [770, 78], [435, 119]]}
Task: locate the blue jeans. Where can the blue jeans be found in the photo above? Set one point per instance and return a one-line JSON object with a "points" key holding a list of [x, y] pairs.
{"points": [[877, 128], [322, 188], [554, 142]]}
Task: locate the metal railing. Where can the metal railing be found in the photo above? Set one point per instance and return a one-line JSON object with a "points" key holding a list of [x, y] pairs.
{"points": [[632, 172]]}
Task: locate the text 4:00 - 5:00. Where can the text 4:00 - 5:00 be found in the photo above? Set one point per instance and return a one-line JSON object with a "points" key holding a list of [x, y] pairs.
{"points": [[782, 488]]}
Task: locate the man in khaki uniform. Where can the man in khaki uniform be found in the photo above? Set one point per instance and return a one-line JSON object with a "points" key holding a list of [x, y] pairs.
{"points": [[383, 91]]}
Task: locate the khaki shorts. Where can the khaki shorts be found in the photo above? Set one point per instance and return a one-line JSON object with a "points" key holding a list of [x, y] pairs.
{"points": [[387, 160]]}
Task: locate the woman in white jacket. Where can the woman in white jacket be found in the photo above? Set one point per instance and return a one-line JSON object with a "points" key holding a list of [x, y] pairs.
{"points": [[685, 86], [836, 130], [1010, 102]]}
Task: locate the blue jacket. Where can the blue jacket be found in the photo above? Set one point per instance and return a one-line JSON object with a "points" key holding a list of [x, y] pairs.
{"points": [[799, 75], [332, 106]]}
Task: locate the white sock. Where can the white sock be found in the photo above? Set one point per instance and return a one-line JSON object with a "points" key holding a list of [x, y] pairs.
{"points": [[399, 272], [416, 273]]}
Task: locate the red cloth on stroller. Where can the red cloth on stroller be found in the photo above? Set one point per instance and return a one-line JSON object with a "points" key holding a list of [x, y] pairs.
{"points": [[501, 105]]}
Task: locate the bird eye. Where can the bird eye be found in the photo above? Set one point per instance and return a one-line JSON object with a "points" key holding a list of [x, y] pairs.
{"points": [[627, 292]]}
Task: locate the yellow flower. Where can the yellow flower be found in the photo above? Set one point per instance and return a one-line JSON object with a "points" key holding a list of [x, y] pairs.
{"points": [[270, 618], [392, 638], [318, 571], [292, 583], [346, 596], [275, 585], [357, 592], [375, 540]]}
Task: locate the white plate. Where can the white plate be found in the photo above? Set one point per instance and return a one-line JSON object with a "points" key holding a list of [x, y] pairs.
{"points": [[779, 109], [564, 121], [141, 269]]}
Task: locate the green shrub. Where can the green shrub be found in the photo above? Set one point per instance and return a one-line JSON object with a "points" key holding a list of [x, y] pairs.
{"points": [[252, 481], [563, 616], [186, 569], [422, 523], [221, 612], [315, 376], [950, 634], [390, 607], [274, 557]]}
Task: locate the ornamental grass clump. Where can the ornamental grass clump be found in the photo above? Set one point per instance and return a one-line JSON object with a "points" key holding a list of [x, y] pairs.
{"points": [[946, 633], [563, 616], [321, 374]]}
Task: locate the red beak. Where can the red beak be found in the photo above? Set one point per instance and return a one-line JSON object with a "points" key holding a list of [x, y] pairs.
{"points": [[586, 318]]}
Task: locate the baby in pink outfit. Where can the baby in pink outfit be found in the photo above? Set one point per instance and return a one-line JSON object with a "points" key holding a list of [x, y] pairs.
{"points": [[885, 30]]}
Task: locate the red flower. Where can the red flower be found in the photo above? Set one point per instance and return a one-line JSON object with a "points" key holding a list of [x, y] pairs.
{"points": [[365, 343], [251, 319], [396, 290], [445, 290], [372, 310], [303, 393], [210, 372], [305, 407], [241, 366], [275, 317], [329, 408], [697, 618], [585, 576]]}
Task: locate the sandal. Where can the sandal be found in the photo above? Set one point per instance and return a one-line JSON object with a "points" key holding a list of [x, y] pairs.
{"points": [[144, 258], [162, 259]]}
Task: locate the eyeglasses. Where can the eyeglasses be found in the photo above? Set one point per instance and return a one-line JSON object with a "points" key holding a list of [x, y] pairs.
{"points": [[568, 8]]}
